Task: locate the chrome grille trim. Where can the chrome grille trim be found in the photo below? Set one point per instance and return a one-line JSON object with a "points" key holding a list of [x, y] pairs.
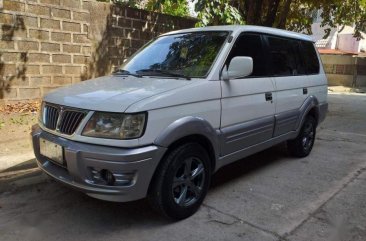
{"points": [[51, 114], [62, 119]]}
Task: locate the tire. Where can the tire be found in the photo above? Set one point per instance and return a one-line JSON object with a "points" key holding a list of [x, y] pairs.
{"points": [[181, 181], [302, 145]]}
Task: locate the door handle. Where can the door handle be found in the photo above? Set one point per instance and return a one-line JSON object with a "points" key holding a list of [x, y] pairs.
{"points": [[305, 91], [268, 96]]}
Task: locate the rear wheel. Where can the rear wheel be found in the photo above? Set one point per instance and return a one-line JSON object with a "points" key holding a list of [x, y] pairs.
{"points": [[181, 182], [302, 145]]}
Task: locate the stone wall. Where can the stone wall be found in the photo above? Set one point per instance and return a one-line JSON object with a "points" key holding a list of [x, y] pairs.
{"points": [[45, 44]]}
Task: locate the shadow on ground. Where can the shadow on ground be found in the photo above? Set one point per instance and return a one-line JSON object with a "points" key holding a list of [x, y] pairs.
{"points": [[89, 213], [21, 166]]}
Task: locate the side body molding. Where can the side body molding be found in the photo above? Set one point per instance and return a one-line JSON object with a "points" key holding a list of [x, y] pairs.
{"points": [[187, 126]]}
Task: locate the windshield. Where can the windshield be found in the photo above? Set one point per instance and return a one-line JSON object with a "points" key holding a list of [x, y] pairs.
{"points": [[180, 55]]}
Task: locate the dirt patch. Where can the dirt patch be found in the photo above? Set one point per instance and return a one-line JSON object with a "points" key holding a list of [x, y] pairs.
{"points": [[14, 132], [16, 121]]}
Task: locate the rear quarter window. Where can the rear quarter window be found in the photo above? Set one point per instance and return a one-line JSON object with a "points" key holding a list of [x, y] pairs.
{"points": [[310, 58]]}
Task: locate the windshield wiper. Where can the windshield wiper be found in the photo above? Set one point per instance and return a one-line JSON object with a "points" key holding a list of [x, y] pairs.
{"points": [[125, 72], [164, 72]]}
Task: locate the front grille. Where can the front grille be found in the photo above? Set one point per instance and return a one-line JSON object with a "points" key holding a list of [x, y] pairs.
{"points": [[63, 119], [70, 121]]}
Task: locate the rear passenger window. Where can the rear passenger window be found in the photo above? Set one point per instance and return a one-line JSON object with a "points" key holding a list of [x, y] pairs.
{"points": [[310, 57], [286, 57], [250, 45]]}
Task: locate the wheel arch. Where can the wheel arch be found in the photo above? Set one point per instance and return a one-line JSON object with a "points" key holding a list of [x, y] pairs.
{"points": [[192, 129], [310, 107]]}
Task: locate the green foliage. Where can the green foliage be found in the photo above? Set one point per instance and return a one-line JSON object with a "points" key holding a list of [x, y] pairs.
{"points": [[171, 7], [217, 12], [295, 15], [128, 3]]}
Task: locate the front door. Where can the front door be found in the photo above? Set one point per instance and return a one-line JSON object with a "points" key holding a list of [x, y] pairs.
{"points": [[248, 104]]}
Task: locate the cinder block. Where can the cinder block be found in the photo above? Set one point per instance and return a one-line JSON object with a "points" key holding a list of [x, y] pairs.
{"points": [[13, 6], [50, 47], [86, 50], [61, 37], [6, 18], [71, 48], [52, 2], [39, 34], [10, 93], [8, 69], [81, 16], [38, 81], [80, 59], [73, 27], [32, 69], [60, 13], [27, 45], [29, 93], [6, 45], [62, 80], [61, 58], [38, 10], [38, 57], [50, 23], [80, 38], [46, 90], [73, 70], [71, 3], [20, 81], [28, 21], [52, 69], [9, 57]]}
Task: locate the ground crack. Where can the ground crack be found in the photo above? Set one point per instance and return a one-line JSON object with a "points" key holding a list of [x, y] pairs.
{"points": [[239, 220]]}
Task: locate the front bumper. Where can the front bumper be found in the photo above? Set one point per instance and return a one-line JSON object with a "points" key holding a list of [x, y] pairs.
{"points": [[82, 160]]}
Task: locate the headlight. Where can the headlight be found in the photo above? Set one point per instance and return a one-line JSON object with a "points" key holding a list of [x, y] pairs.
{"points": [[115, 126]]}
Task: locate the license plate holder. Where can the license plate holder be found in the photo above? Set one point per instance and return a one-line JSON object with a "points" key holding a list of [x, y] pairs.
{"points": [[52, 151]]}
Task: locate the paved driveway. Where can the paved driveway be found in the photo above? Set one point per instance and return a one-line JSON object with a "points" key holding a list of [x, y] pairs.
{"points": [[268, 196]]}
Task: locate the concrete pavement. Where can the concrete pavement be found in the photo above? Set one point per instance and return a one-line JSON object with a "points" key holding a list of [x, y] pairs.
{"points": [[268, 196]]}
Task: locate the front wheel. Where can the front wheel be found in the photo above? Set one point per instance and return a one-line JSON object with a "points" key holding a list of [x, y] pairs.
{"points": [[302, 145], [181, 182]]}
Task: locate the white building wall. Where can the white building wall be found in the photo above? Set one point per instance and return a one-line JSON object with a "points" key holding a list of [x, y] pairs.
{"points": [[341, 40]]}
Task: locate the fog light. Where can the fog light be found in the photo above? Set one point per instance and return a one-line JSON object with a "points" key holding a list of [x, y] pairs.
{"points": [[108, 177]]}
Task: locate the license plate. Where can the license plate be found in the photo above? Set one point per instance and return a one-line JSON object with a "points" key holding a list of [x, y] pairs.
{"points": [[51, 150]]}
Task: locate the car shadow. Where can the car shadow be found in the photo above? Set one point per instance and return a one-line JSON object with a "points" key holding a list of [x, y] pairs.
{"points": [[21, 166], [79, 213], [249, 165]]}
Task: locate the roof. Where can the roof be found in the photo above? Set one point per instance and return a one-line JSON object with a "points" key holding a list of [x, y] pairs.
{"points": [[335, 51], [247, 28]]}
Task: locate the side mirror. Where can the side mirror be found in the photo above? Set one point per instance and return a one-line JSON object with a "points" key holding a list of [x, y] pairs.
{"points": [[239, 67]]}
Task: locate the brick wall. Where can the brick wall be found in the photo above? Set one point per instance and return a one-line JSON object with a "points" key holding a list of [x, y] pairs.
{"points": [[346, 70], [45, 44]]}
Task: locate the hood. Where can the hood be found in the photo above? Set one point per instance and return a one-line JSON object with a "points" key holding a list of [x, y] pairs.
{"points": [[112, 93]]}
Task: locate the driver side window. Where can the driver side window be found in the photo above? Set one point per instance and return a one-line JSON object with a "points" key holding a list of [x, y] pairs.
{"points": [[250, 45]]}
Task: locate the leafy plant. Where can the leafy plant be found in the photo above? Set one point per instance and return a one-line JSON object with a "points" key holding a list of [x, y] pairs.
{"points": [[171, 7]]}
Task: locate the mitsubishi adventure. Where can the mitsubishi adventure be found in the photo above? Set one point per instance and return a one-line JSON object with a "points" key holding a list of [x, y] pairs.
{"points": [[186, 104]]}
